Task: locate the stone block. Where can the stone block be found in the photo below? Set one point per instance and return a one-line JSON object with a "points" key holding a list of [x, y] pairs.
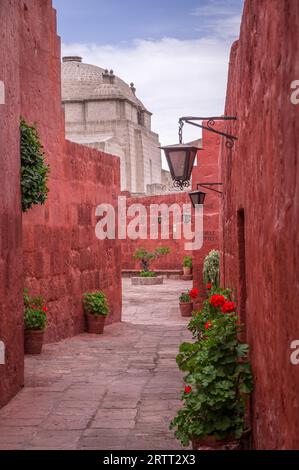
{"points": [[147, 281]]}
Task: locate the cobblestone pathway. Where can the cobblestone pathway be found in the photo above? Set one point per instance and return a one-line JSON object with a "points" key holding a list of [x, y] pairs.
{"points": [[117, 391]]}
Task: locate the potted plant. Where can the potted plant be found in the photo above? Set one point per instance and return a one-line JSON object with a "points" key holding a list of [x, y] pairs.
{"points": [[218, 380], [211, 269], [96, 309], [186, 304], [187, 265], [211, 309], [146, 276], [35, 321]]}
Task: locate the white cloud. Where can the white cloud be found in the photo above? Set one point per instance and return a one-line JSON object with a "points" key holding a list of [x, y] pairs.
{"points": [[173, 77], [219, 19], [222, 28], [215, 8]]}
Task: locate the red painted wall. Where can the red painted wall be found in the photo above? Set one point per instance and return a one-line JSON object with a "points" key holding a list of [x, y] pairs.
{"points": [[60, 256], [207, 171], [11, 276], [261, 176], [172, 261]]}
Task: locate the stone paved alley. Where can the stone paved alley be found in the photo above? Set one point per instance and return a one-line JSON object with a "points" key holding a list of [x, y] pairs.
{"points": [[117, 391]]}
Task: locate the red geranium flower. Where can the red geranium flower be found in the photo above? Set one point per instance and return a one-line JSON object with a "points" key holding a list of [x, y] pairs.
{"points": [[208, 325], [217, 300], [228, 307], [188, 389], [45, 309], [194, 293], [209, 286]]}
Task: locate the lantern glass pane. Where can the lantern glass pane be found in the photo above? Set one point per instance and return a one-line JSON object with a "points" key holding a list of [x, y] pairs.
{"points": [[193, 198], [177, 160], [192, 155], [201, 198], [197, 197]]}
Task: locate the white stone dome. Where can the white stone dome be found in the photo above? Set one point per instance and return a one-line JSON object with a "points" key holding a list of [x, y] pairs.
{"points": [[88, 82]]}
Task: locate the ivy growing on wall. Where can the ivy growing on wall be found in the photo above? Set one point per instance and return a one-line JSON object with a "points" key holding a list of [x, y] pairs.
{"points": [[34, 171]]}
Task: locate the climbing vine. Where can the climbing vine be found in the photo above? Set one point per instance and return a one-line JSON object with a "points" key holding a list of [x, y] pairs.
{"points": [[34, 171]]}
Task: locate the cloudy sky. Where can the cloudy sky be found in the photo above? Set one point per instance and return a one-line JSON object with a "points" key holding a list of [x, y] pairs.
{"points": [[175, 51]]}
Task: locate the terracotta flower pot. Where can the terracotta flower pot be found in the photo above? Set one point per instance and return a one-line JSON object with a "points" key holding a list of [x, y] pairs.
{"points": [[33, 341], [186, 309], [187, 271], [210, 443], [95, 325]]}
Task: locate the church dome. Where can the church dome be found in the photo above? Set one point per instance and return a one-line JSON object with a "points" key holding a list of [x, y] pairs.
{"points": [[88, 82]]}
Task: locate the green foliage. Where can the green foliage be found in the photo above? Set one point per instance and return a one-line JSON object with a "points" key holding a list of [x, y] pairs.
{"points": [[96, 303], [147, 274], [185, 297], [207, 313], [34, 171], [211, 268], [219, 374], [35, 317], [187, 262], [146, 257]]}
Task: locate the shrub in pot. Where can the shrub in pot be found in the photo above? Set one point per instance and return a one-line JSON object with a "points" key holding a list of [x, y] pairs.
{"points": [[186, 304], [219, 379], [187, 265], [146, 257], [147, 274], [35, 321], [96, 309]]}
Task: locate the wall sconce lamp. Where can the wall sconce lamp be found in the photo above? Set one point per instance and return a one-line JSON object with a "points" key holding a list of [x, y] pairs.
{"points": [[181, 157], [198, 197]]}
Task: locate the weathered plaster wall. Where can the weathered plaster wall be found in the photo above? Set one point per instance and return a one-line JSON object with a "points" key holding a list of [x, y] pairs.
{"points": [[11, 280], [62, 256], [172, 261], [59, 256], [207, 171], [261, 176]]}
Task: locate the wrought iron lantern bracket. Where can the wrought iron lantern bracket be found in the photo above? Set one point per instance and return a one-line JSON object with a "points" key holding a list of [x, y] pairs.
{"points": [[198, 197], [211, 121], [207, 186]]}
